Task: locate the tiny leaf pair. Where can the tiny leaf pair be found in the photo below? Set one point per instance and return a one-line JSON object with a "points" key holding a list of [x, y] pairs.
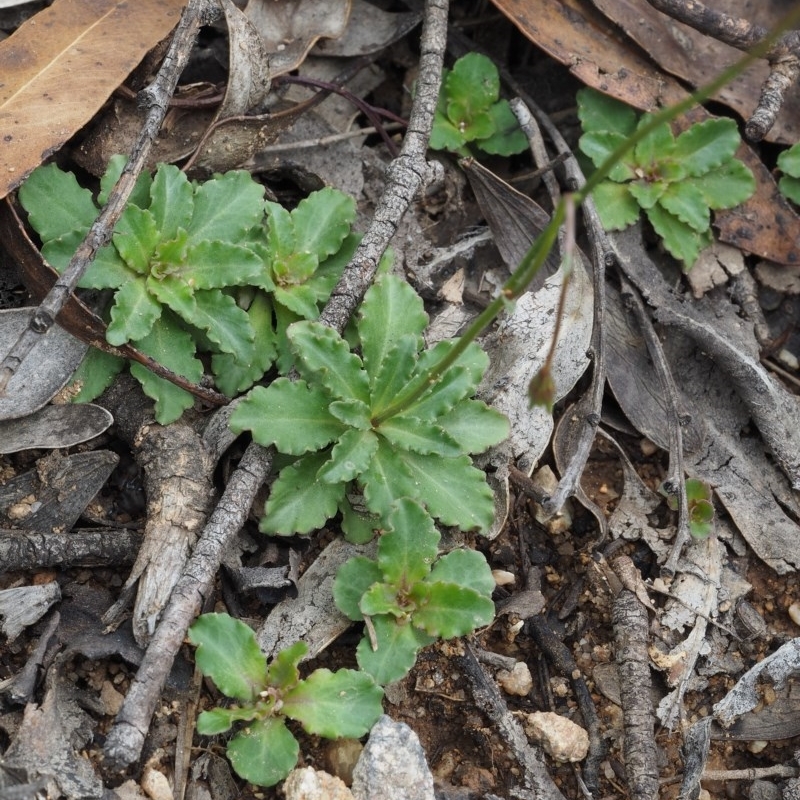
{"points": [[331, 420], [411, 597], [701, 509], [329, 704], [470, 111], [789, 164], [676, 181]]}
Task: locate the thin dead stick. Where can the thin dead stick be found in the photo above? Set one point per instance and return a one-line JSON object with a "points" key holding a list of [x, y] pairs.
{"points": [[156, 97], [126, 737], [323, 141]]}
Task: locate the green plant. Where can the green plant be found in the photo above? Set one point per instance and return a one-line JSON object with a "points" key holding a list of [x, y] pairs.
{"points": [[206, 267], [470, 111], [345, 703], [701, 509], [789, 164], [351, 423], [409, 596], [676, 181]]}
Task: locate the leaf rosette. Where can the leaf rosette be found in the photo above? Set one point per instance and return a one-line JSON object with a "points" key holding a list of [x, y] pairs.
{"points": [[335, 420]]}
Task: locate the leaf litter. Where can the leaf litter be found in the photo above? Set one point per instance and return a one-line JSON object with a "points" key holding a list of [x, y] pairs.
{"points": [[739, 430]]}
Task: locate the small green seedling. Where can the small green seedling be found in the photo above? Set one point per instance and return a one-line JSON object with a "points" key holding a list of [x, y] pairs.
{"points": [[470, 111], [196, 268], [701, 509], [409, 596], [789, 164], [677, 182], [345, 703], [343, 422]]}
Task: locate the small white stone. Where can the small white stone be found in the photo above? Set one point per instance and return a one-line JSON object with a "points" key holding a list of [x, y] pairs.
{"points": [[794, 612], [155, 784], [308, 783], [559, 737], [502, 577], [757, 746], [517, 681]]}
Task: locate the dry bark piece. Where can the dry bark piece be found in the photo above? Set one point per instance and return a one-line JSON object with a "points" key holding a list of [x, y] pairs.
{"points": [[54, 426], [53, 496], [42, 375], [25, 606], [61, 65]]}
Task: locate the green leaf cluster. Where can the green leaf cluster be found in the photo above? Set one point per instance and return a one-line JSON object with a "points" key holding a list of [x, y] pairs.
{"points": [[676, 181], [196, 268], [345, 703], [410, 596], [789, 165], [470, 111], [701, 509], [336, 420]]}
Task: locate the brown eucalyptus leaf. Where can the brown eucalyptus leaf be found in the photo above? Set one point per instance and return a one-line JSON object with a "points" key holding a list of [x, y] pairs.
{"points": [[369, 30], [60, 67], [54, 426], [44, 372], [290, 28]]}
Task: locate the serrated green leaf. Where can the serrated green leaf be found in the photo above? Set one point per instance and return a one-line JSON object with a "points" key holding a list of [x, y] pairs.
{"points": [[289, 414], [283, 319], [508, 137], [599, 112], [656, 146], [789, 161], [280, 232], [136, 237], [681, 240], [226, 207], [299, 502], [707, 145], [322, 221], [352, 412], [790, 187], [282, 671], [228, 653], [407, 551], [453, 491], [170, 345], [56, 203], [301, 300], [616, 206], [350, 456], [358, 527], [397, 650], [386, 480], [352, 580], [647, 192], [322, 355], [445, 135], [474, 82], [599, 145], [170, 201], [264, 753], [140, 196], [295, 268], [473, 125], [391, 309], [133, 314], [452, 610], [467, 568], [394, 375], [475, 426], [238, 372], [726, 186], [687, 203], [95, 374], [107, 271], [330, 270], [227, 325], [219, 720], [332, 704], [217, 265], [170, 255], [173, 292], [407, 433], [382, 598]]}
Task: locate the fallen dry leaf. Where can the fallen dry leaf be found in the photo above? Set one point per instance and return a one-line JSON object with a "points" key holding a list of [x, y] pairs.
{"points": [[60, 67]]}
